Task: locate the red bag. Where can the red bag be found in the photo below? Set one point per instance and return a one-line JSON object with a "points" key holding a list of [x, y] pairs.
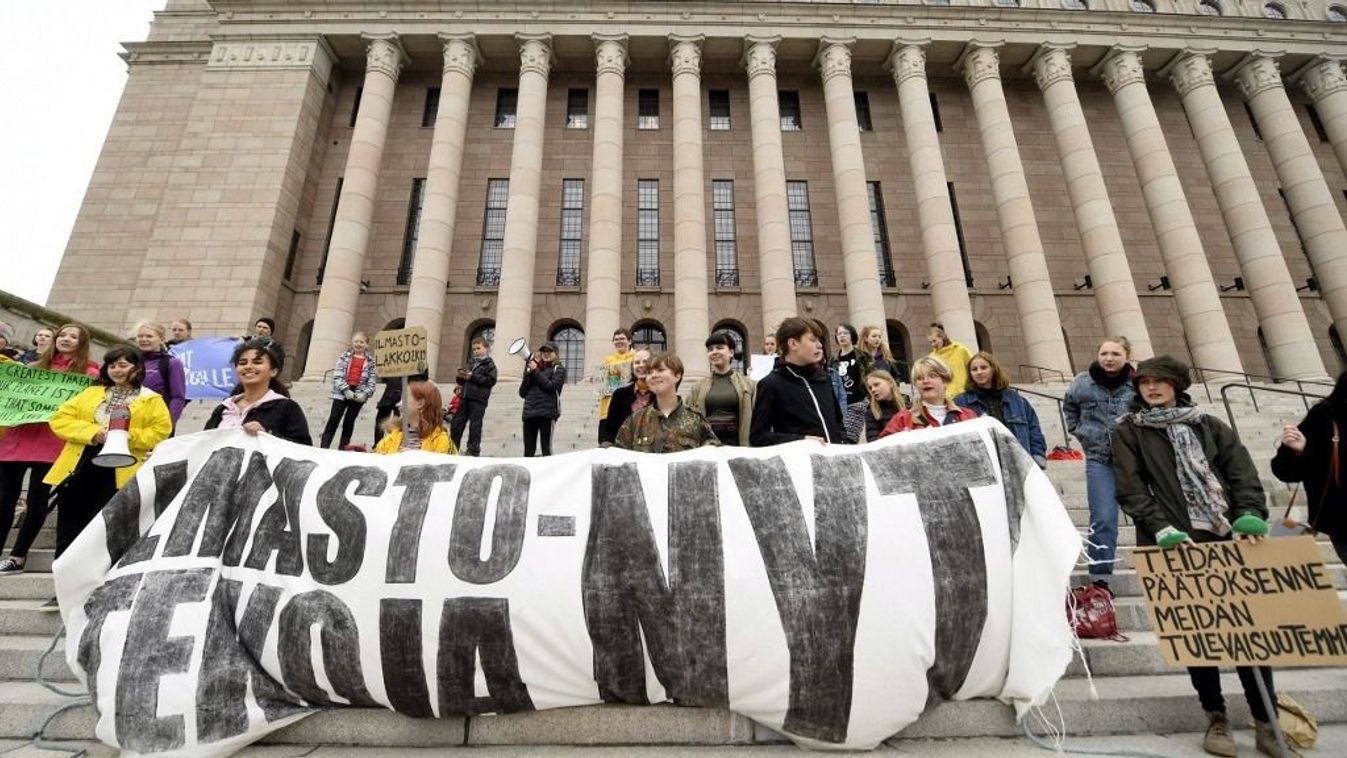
{"points": [[1090, 611], [1064, 453]]}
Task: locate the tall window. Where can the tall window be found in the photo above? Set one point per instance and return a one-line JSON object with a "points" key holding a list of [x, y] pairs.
{"points": [[958, 231], [789, 103], [292, 255], [719, 101], [432, 109], [881, 232], [727, 249], [571, 351], [863, 112], [647, 233], [572, 229], [355, 106], [412, 232], [331, 224], [577, 109], [493, 233], [507, 103], [647, 109], [801, 234], [935, 113]]}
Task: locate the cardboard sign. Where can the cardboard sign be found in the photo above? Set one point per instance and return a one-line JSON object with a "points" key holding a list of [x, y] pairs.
{"points": [[29, 394], [833, 593], [1231, 604], [401, 352]]}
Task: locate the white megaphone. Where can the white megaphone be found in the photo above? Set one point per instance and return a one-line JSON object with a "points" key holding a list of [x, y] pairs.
{"points": [[116, 452], [521, 347]]}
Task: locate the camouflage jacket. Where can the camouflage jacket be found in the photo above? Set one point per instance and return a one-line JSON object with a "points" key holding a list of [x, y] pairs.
{"points": [[649, 431]]}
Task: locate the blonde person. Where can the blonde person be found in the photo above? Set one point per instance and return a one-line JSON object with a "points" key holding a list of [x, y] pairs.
{"points": [[667, 425], [353, 381], [42, 338], [872, 341], [426, 428], [989, 394], [886, 401], [180, 331], [627, 399], [725, 397], [614, 373], [932, 407], [954, 355], [164, 373]]}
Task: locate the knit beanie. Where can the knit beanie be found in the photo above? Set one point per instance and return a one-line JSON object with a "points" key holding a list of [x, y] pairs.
{"points": [[1165, 367]]}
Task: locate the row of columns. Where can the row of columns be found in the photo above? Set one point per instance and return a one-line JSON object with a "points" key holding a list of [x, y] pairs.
{"points": [[1286, 329]]}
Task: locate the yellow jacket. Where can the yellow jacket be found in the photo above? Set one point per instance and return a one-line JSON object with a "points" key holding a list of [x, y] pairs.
{"points": [[74, 422], [956, 356], [437, 442]]}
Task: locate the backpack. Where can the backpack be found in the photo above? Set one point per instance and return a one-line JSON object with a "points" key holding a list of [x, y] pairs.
{"points": [[1089, 610]]}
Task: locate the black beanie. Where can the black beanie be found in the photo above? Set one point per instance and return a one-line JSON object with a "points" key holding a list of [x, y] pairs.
{"points": [[1165, 367]]}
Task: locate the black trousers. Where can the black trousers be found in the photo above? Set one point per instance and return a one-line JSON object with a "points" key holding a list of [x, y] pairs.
{"points": [[470, 415], [537, 430], [81, 497], [1207, 682], [343, 412], [11, 484]]}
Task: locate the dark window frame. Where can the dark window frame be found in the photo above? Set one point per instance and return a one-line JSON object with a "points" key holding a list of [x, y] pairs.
{"points": [[803, 260], [958, 232], [647, 109], [647, 233], [490, 257], [412, 233], [880, 228], [788, 106], [507, 108], [864, 121], [570, 237], [718, 121], [331, 224], [577, 108], [431, 111], [724, 233]]}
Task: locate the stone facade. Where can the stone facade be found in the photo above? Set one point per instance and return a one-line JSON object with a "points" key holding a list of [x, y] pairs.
{"points": [[216, 196]]}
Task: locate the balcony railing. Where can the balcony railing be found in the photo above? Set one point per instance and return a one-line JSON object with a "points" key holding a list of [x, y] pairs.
{"points": [[647, 277], [806, 277], [568, 276], [727, 276], [488, 277]]}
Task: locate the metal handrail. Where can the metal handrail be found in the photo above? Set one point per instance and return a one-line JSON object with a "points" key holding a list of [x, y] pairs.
{"points": [[1041, 369], [1061, 410], [1230, 413], [1248, 377]]}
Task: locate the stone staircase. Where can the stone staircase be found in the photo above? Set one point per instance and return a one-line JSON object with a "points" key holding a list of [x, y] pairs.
{"points": [[1136, 693]]}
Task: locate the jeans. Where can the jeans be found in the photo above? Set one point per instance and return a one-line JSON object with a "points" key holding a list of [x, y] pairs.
{"points": [[1207, 682], [343, 412], [537, 431], [1101, 492]]}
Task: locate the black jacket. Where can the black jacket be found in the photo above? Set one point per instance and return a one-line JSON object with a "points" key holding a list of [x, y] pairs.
{"points": [[477, 387], [1311, 466], [619, 410], [793, 402], [281, 418], [541, 390], [873, 426]]}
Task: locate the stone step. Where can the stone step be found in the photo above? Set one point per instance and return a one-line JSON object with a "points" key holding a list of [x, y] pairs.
{"points": [[27, 586], [46, 538], [23, 618], [19, 656]]}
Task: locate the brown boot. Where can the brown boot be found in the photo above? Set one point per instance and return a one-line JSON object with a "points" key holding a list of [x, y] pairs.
{"points": [[1266, 740], [1218, 740]]}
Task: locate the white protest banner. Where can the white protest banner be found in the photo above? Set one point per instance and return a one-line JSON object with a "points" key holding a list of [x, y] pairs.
{"points": [[829, 592], [760, 366]]}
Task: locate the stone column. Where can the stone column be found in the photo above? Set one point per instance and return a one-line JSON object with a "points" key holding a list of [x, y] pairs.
{"points": [[1307, 193], [334, 319], [514, 296], [692, 320], [1199, 302], [865, 299], [430, 268], [1326, 85], [939, 240], [1035, 300], [1114, 291], [1289, 339], [776, 268], [603, 284]]}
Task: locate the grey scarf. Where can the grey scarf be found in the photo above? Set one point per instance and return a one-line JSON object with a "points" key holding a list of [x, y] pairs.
{"points": [[1207, 506]]}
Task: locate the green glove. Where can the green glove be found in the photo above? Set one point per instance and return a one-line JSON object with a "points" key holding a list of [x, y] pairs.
{"points": [[1169, 537], [1250, 524]]}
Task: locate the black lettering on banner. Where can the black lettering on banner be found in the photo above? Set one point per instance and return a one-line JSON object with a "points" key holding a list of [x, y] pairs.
{"points": [[169, 479], [121, 515], [243, 501], [230, 661], [346, 522], [340, 640], [627, 598], [1015, 466], [402, 657], [150, 654], [507, 533], [817, 586], [278, 530], [472, 627], [219, 475], [953, 538], [110, 596], [405, 540]]}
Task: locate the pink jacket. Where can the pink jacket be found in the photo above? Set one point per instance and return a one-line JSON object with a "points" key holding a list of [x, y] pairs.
{"points": [[35, 442]]}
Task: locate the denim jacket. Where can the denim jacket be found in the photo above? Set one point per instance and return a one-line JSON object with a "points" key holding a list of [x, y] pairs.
{"points": [[1092, 411], [1021, 420]]}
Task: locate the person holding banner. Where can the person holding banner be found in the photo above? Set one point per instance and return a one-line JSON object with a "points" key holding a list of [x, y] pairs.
{"points": [[931, 377], [264, 405], [725, 397], [886, 401], [1184, 477], [796, 400], [352, 384], [425, 431], [31, 449], [990, 395], [1313, 452], [667, 425], [41, 339], [164, 373]]}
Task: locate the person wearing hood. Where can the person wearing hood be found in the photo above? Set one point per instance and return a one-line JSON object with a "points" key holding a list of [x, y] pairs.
{"points": [[952, 354], [164, 373], [1094, 402], [796, 400], [1185, 478], [990, 395], [261, 403], [1313, 452]]}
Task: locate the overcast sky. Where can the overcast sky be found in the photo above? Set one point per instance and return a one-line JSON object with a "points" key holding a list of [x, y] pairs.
{"points": [[61, 79]]}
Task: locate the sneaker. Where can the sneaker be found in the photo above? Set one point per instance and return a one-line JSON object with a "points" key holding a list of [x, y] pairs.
{"points": [[51, 606], [1266, 741], [1218, 740], [10, 567]]}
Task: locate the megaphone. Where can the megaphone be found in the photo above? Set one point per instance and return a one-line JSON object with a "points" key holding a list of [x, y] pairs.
{"points": [[116, 452], [521, 347]]}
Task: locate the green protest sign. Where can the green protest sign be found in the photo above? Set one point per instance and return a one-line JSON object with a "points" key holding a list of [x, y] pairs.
{"points": [[30, 394]]}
